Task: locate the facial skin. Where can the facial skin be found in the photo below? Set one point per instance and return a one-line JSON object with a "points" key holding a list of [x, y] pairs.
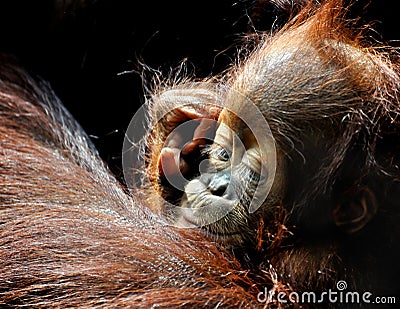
{"points": [[231, 176]]}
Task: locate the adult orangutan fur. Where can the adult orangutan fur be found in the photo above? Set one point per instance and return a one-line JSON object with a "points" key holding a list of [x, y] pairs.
{"points": [[71, 235]]}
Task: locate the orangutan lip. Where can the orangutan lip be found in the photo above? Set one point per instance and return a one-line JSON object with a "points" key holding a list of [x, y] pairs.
{"points": [[188, 222]]}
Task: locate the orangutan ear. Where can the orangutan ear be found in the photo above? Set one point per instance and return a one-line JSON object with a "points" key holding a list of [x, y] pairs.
{"points": [[356, 210]]}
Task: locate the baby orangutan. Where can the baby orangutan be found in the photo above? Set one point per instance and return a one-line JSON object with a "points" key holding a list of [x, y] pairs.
{"points": [[313, 184]]}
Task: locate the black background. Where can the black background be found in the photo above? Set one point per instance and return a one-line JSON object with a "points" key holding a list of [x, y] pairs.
{"points": [[82, 46]]}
